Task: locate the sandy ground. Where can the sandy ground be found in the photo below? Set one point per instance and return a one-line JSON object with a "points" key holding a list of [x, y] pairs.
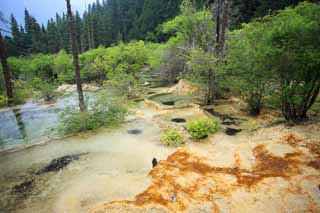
{"points": [[274, 169]]}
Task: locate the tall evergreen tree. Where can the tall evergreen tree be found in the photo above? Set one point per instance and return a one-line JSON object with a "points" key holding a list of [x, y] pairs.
{"points": [[52, 37], [6, 71], [28, 36], [17, 36], [107, 22]]}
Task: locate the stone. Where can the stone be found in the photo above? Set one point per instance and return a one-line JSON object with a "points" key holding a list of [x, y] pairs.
{"points": [[232, 131]]}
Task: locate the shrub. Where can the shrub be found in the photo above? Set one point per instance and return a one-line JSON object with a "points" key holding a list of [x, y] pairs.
{"points": [[3, 101], [63, 67], [279, 53], [44, 89], [21, 91], [172, 137], [93, 64], [105, 112], [201, 128]]}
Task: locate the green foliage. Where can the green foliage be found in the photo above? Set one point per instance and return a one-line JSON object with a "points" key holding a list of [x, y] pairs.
{"points": [[295, 57], [44, 89], [93, 64], [35, 65], [62, 65], [248, 69], [3, 101], [201, 128], [105, 112], [279, 53], [191, 26], [123, 64], [172, 137], [200, 62], [19, 67], [154, 52], [192, 36], [22, 91]]}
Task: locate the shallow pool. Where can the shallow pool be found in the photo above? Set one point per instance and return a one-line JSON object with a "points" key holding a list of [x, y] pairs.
{"points": [[170, 99], [34, 122]]}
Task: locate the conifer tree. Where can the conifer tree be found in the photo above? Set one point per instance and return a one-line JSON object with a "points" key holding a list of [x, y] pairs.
{"points": [[6, 71]]}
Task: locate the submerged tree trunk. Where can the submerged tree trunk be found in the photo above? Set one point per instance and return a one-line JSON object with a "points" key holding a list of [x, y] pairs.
{"points": [[74, 47], [6, 71]]}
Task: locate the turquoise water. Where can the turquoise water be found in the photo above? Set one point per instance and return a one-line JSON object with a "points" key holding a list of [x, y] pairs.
{"points": [[34, 122]]}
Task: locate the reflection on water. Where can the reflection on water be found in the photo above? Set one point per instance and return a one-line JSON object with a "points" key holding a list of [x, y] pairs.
{"points": [[20, 124], [34, 122]]}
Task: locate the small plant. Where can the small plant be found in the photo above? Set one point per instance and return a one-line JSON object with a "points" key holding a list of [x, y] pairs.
{"points": [[3, 101], [201, 128], [44, 90], [105, 112], [172, 137]]}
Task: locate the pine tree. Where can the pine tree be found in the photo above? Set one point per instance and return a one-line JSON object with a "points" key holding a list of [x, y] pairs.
{"points": [[6, 71], [16, 35], [52, 37], [156, 12], [44, 40], [28, 36], [242, 11]]}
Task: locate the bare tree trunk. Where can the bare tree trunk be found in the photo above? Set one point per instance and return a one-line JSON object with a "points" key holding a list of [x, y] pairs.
{"points": [[211, 87], [224, 27], [222, 20], [6, 71], [74, 47], [218, 25]]}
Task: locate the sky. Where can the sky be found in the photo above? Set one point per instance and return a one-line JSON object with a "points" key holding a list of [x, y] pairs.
{"points": [[42, 10]]}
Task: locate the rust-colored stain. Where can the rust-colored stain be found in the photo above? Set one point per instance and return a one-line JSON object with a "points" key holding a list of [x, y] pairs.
{"points": [[296, 141], [292, 139], [186, 178], [315, 164], [312, 146]]}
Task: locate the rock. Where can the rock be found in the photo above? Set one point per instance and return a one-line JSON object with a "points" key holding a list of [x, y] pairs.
{"points": [[232, 132], [69, 88], [178, 120], [134, 131], [24, 188], [174, 197], [154, 162], [228, 122], [183, 87], [168, 103], [58, 164]]}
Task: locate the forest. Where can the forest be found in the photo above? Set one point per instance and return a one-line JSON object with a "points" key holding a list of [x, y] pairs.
{"points": [[151, 33], [189, 74]]}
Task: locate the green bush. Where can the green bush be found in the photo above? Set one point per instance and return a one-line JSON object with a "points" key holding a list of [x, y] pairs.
{"points": [[44, 89], [172, 137], [3, 101], [278, 55], [63, 67], [201, 128], [105, 112], [21, 91]]}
